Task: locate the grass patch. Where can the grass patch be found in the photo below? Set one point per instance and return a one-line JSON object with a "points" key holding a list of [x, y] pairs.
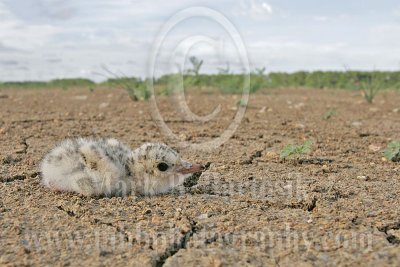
{"points": [[392, 152], [295, 151]]}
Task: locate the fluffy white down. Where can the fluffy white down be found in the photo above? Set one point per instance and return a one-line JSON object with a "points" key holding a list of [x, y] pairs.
{"points": [[108, 167], [63, 168]]}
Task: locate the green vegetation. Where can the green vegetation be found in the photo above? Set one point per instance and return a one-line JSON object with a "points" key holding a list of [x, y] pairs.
{"points": [[58, 83], [70, 83], [370, 83], [392, 151], [370, 88], [295, 151], [136, 88], [351, 80], [24, 85]]}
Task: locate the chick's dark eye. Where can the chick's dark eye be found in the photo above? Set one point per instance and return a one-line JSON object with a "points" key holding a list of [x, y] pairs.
{"points": [[162, 166]]}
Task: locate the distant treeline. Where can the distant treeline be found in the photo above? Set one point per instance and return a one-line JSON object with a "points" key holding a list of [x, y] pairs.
{"points": [[352, 80], [331, 79], [58, 83]]}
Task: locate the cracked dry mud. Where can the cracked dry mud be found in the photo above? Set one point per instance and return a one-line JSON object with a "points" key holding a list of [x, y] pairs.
{"points": [[339, 205]]}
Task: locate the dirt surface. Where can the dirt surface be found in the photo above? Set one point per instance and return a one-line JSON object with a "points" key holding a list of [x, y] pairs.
{"points": [[339, 205]]}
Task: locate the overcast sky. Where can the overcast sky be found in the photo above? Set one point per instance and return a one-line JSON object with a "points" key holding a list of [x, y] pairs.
{"points": [[47, 39]]}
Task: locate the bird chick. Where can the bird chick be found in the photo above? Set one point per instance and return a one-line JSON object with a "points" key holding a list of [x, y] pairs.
{"points": [[106, 167]]}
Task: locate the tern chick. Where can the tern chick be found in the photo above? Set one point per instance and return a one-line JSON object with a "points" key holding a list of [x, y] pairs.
{"points": [[108, 167]]}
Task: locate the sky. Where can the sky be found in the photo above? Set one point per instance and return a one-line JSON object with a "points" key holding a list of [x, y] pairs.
{"points": [[100, 39]]}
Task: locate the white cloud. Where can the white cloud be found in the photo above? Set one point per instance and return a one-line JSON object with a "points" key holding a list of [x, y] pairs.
{"points": [[320, 18], [17, 34], [255, 9], [385, 35], [396, 12], [57, 38]]}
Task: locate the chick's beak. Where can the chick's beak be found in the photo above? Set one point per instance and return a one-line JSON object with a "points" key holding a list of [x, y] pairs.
{"points": [[188, 168]]}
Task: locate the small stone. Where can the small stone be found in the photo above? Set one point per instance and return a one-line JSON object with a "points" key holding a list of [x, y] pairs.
{"points": [[325, 168], [357, 124], [270, 155], [146, 212], [288, 187], [299, 105], [203, 216], [103, 105], [81, 97], [104, 253], [372, 214], [100, 116], [362, 178], [24, 250], [394, 232], [156, 220], [185, 228], [374, 148], [223, 168], [20, 149]]}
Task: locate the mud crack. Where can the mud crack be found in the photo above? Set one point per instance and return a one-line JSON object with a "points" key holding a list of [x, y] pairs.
{"points": [[176, 246], [18, 177], [250, 160], [307, 205], [23, 149], [68, 212], [315, 161], [389, 230], [116, 227]]}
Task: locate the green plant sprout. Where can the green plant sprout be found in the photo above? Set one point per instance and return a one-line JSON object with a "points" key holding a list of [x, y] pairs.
{"points": [[371, 88], [392, 152], [329, 114], [136, 88], [295, 151], [370, 84]]}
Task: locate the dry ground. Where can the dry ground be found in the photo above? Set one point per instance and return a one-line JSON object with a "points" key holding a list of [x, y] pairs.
{"points": [[337, 206]]}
